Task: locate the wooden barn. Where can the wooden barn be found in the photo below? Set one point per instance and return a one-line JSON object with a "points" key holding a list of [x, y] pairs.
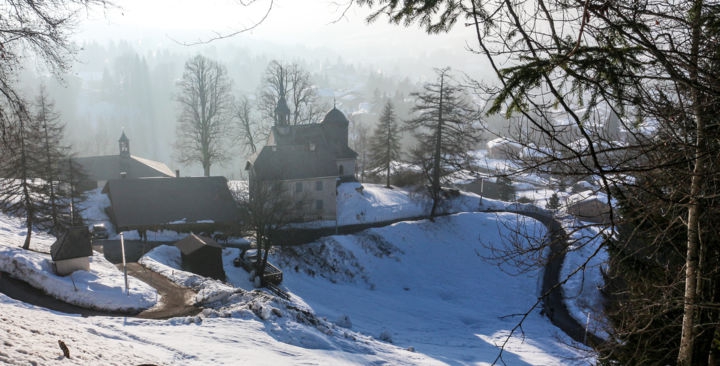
{"points": [[187, 204], [201, 255]]}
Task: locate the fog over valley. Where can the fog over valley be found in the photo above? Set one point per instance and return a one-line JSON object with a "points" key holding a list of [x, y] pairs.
{"points": [[130, 59]]}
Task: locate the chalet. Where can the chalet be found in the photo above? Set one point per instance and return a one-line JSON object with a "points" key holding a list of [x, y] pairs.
{"points": [[202, 256], [309, 160], [72, 251], [589, 206], [100, 169], [199, 204]]}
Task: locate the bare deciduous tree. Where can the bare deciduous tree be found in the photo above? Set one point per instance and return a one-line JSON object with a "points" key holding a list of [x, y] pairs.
{"points": [[266, 211], [204, 123], [293, 82], [248, 126]]}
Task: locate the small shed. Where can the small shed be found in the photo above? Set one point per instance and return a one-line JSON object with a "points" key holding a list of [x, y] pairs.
{"points": [[72, 251], [201, 255]]}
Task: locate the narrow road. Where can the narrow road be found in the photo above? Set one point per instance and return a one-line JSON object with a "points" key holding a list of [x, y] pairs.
{"points": [[553, 296], [174, 301]]}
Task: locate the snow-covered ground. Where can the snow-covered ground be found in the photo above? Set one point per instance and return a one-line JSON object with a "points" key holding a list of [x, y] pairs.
{"points": [[410, 293], [103, 287]]}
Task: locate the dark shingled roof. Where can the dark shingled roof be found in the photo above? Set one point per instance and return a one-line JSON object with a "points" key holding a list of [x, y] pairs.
{"points": [[335, 116], [104, 168], [288, 162], [161, 202], [304, 151], [75, 243]]}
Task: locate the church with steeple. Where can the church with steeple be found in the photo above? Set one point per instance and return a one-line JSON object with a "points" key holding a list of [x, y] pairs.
{"points": [[310, 160], [100, 169]]}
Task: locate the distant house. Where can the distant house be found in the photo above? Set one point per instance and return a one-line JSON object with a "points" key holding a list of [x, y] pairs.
{"points": [[71, 251], [100, 169], [199, 204], [589, 206], [503, 148], [201, 255], [309, 160]]}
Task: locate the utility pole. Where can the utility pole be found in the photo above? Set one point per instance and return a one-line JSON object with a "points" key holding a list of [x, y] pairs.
{"points": [[122, 248]]}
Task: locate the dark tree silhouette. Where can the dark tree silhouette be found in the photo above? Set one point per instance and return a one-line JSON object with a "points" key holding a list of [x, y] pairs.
{"points": [[56, 184], [293, 82], [266, 211], [249, 131], [385, 142], [446, 126], [204, 123]]}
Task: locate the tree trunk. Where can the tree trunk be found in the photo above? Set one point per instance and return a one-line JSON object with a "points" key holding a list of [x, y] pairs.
{"points": [[28, 227], [692, 276], [438, 144], [387, 157]]}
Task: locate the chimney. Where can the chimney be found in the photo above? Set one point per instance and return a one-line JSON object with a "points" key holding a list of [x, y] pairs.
{"points": [[177, 173]]}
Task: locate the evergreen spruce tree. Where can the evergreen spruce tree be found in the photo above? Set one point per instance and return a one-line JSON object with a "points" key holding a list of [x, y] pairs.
{"points": [[54, 184], [553, 202], [385, 143], [20, 193], [505, 188]]}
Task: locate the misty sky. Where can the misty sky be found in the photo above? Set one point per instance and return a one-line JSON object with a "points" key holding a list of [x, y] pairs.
{"points": [[311, 32], [308, 23]]}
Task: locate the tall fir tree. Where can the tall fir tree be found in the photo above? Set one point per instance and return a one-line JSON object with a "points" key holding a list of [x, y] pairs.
{"points": [[55, 183], [447, 127], [20, 193], [385, 143]]}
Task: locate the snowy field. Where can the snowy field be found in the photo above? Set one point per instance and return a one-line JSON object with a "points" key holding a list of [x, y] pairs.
{"points": [[411, 293]]}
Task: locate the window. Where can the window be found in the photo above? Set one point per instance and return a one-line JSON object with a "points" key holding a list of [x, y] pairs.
{"points": [[319, 204], [298, 187], [319, 185], [341, 171]]}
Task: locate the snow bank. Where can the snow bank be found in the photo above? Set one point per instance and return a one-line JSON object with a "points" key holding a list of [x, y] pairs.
{"points": [[102, 288]]}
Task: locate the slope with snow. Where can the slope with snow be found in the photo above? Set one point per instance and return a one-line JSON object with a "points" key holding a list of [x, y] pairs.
{"points": [[410, 293]]}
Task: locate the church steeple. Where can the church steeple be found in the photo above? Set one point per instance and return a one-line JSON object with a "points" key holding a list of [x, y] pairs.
{"points": [[282, 112], [124, 144]]}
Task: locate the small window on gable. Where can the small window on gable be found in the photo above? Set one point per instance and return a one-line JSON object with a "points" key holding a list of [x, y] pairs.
{"points": [[298, 187], [319, 185], [319, 204]]}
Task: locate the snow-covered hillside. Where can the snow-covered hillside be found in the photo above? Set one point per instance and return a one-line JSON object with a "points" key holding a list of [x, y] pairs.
{"points": [[410, 293]]}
